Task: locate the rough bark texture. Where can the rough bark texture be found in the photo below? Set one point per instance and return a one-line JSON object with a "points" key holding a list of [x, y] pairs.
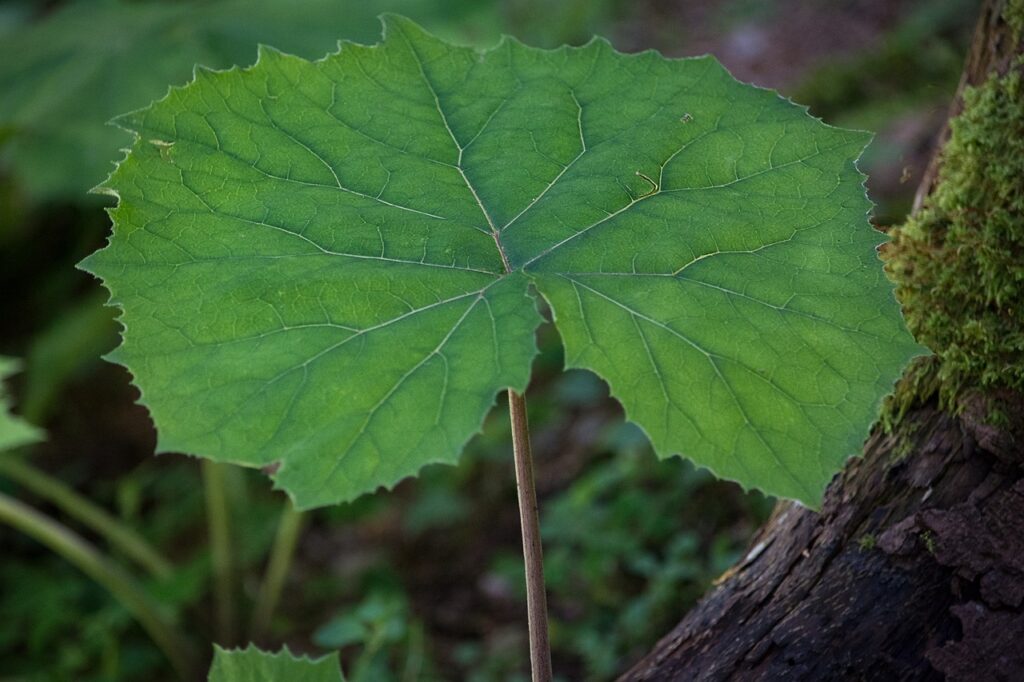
{"points": [[913, 569]]}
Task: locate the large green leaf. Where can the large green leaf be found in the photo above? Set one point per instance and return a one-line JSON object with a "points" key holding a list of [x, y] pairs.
{"points": [[14, 432], [62, 79], [327, 265], [253, 665]]}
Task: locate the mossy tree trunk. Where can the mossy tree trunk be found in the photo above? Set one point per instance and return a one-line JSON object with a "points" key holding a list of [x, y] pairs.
{"points": [[914, 568]]}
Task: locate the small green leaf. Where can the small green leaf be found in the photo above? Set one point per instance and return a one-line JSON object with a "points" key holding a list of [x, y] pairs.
{"points": [[253, 665], [329, 265], [14, 431]]}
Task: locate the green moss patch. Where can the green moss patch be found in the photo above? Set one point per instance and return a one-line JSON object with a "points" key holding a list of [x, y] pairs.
{"points": [[959, 262]]}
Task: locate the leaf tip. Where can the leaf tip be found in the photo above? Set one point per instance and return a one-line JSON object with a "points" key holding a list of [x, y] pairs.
{"points": [[267, 53], [393, 21]]}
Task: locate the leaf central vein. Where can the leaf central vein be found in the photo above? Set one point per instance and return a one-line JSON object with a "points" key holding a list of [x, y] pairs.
{"points": [[495, 233]]}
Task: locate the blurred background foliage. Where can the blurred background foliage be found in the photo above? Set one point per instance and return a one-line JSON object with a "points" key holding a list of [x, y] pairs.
{"points": [[423, 582]]}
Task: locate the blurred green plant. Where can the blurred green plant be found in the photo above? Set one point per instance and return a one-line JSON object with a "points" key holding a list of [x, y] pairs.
{"points": [[388, 639], [14, 433], [59, 625], [64, 77], [628, 549], [63, 352], [918, 60], [252, 665]]}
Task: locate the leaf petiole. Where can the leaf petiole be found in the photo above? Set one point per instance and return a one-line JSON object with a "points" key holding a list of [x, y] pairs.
{"points": [[536, 599]]}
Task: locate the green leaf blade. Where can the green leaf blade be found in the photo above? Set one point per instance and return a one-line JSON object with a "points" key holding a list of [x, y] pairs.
{"points": [[253, 665], [737, 315], [327, 265]]}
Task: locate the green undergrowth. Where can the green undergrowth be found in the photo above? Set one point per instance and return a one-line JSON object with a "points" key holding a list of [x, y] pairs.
{"points": [[1014, 16], [959, 261], [910, 65]]}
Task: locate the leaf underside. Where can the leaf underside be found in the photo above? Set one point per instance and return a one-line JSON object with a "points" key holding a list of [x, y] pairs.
{"points": [[332, 265], [253, 665]]}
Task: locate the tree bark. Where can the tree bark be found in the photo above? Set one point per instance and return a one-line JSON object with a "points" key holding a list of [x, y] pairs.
{"points": [[913, 569]]}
